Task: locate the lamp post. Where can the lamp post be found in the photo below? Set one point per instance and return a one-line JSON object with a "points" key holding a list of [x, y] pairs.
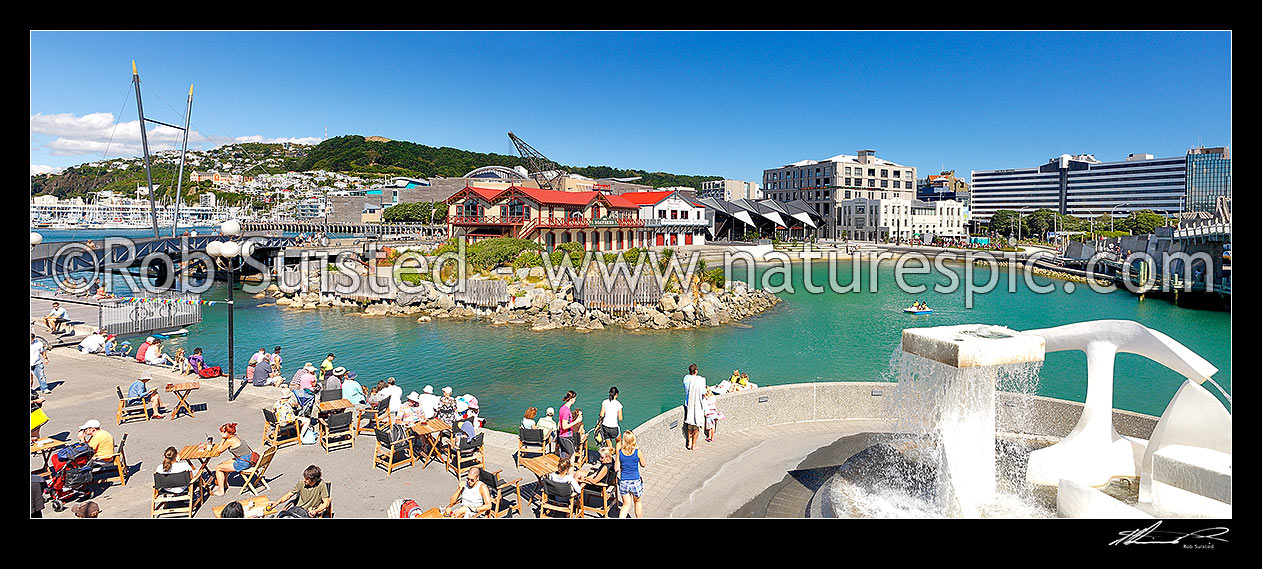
{"points": [[36, 239], [1019, 225], [229, 251], [1111, 214]]}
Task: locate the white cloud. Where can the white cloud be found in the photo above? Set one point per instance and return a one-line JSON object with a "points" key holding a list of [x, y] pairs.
{"points": [[42, 169], [98, 135]]}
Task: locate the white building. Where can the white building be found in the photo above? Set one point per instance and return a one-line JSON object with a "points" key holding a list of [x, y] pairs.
{"points": [[671, 218], [825, 184], [206, 199], [900, 220], [728, 190]]}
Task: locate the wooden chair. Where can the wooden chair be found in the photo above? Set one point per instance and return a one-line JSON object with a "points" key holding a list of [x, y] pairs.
{"points": [[558, 497], [278, 435], [369, 413], [128, 412], [465, 454], [500, 491], [530, 441], [382, 417], [605, 491], [119, 465], [254, 475], [336, 430], [390, 453], [189, 497]]}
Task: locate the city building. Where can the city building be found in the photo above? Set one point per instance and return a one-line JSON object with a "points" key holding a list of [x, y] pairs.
{"points": [[944, 186], [671, 217], [824, 184], [1208, 178], [1082, 186], [729, 190], [901, 220], [206, 199], [598, 221]]}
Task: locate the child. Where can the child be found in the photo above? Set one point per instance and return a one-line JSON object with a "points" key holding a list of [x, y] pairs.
{"points": [[180, 363], [712, 415]]}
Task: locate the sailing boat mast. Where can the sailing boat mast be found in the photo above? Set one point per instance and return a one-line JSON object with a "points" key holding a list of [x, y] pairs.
{"points": [[144, 143], [179, 180]]}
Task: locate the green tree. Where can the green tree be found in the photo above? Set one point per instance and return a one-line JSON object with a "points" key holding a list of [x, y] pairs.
{"points": [[1004, 222]]}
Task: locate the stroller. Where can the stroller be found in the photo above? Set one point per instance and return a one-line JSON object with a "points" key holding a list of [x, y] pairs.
{"points": [[70, 475]]}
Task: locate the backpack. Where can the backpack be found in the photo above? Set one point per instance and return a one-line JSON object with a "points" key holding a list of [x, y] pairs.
{"points": [[210, 372], [410, 509]]}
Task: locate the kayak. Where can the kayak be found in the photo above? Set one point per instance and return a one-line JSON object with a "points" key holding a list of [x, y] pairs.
{"points": [[165, 335], [914, 311]]}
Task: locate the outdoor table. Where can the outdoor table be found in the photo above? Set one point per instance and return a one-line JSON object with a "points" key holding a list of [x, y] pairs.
{"points": [[199, 452], [181, 391], [428, 430], [433, 513], [46, 447], [540, 466], [335, 405], [256, 505]]}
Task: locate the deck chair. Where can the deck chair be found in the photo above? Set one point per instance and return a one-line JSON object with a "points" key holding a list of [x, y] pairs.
{"points": [[389, 453], [557, 497], [336, 430], [602, 495], [165, 492], [278, 435], [330, 395], [530, 441], [465, 454], [254, 475], [366, 418], [382, 418], [128, 412], [117, 469], [500, 491]]}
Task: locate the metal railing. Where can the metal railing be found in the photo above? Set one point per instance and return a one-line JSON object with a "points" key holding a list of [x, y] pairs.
{"points": [[150, 312]]}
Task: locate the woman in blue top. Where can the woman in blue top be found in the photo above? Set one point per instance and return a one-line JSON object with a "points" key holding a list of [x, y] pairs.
{"points": [[630, 486]]}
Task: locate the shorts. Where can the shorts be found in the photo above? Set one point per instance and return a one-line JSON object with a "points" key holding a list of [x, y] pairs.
{"points": [[632, 487], [610, 433], [241, 463], [565, 446]]}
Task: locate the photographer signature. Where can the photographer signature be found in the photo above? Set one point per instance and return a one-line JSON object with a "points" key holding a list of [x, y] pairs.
{"points": [[1149, 535]]}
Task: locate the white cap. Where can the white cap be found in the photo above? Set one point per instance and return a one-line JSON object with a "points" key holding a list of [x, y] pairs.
{"points": [[429, 389], [550, 411], [91, 424], [149, 339]]}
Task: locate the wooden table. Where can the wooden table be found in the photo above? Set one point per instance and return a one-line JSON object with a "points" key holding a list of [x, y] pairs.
{"points": [[197, 452], [433, 513], [256, 503], [336, 405], [181, 391], [540, 466], [428, 430], [46, 446]]}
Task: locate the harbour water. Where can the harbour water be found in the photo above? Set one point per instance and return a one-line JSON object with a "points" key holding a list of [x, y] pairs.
{"points": [[808, 338]]}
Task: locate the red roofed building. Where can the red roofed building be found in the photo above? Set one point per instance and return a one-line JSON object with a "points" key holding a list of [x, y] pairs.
{"points": [[598, 221], [671, 218]]}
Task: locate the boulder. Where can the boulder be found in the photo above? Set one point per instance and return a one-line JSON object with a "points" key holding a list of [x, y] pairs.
{"points": [[576, 308], [557, 306], [668, 303], [424, 319], [283, 302], [537, 272], [659, 319], [632, 323]]}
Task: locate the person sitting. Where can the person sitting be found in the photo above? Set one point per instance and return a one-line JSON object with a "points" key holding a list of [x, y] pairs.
{"points": [[312, 495], [745, 383], [410, 412], [196, 362], [94, 343], [115, 348], [547, 423], [233, 510], [154, 355], [473, 496], [564, 475], [284, 409], [528, 420], [100, 441], [354, 392], [254, 360], [139, 392], [171, 465], [263, 374], [601, 472], [429, 402], [54, 318], [242, 457], [143, 348]]}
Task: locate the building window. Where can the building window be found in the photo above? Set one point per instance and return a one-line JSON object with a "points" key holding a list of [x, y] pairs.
{"points": [[872, 172], [871, 182], [885, 183]]}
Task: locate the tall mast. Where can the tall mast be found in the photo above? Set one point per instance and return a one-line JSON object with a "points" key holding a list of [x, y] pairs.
{"points": [[179, 180], [144, 143]]}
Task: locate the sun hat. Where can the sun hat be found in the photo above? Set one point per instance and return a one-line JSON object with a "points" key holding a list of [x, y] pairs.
{"points": [[339, 370], [91, 424], [414, 396], [351, 375], [149, 339], [428, 389], [447, 390], [307, 366], [145, 376]]}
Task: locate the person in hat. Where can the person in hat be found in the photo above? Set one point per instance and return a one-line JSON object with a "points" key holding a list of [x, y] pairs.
{"points": [[429, 402], [335, 381], [326, 367], [99, 440], [446, 409], [155, 357], [86, 510], [548, 423], [354, 392], [115, 348], [295, 382], [139, 392], [410, 412], [140, 350]]}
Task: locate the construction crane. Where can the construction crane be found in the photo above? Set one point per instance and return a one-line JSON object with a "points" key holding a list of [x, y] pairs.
{"points": [[544, 171]]}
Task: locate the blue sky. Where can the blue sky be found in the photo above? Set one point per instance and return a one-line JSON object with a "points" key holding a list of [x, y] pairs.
{"points": [[704, 103]]}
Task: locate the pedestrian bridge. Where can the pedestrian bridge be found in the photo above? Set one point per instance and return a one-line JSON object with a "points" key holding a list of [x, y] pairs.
{"points": [[49, 260]]}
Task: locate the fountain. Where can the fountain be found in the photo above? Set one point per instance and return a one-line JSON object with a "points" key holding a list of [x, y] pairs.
{"points": [[946, 463]]}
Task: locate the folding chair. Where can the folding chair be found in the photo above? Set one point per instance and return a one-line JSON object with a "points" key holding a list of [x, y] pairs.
{"points": [[128, 412], [390, 453], [558, 497], [464, 455], [337, 430], [606, 491], [119, 464], [369, 413], [530, 441], [500, 491], [278, 435], [163, 494], [254, 475]]}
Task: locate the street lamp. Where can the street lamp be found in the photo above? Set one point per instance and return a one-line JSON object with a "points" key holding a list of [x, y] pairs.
{"points": [[1111, 214], [229, 251], [36, 239], [1019, 224]]}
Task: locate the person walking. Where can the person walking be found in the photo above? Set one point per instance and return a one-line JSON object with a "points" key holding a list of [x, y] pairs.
{"points": [[610, 416], [694, 410], [39, 358], [630, 485]]}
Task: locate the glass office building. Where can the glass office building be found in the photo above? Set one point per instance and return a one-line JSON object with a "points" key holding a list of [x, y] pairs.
{"points": [[1208, 178]]}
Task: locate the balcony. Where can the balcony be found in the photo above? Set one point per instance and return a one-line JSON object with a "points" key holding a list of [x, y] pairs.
{"points": [[563, 222], [485, 220]]}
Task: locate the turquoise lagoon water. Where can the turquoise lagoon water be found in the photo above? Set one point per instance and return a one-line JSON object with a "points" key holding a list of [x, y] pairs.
{"points": [[807, 338]]}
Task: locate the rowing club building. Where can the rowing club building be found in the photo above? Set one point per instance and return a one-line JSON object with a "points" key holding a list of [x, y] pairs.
{"points": [[598, 221]]}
